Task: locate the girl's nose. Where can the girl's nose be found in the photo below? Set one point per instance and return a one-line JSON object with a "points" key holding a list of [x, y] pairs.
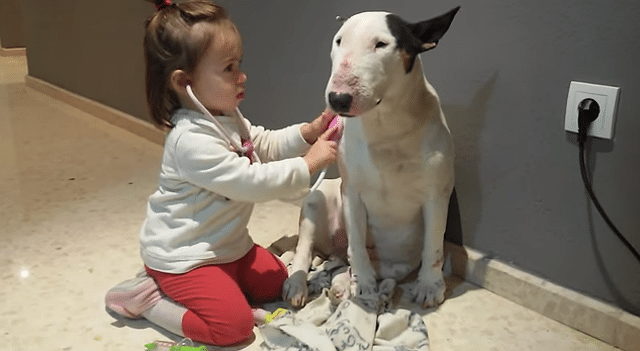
{"points": [[242, 78]]}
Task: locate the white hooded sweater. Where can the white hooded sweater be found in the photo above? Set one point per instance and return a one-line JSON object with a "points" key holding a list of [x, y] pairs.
{"points": [[206, 191]]}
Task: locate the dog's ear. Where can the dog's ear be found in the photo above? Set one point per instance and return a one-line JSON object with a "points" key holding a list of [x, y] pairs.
{"points": [[415, 38], [431, 31]]}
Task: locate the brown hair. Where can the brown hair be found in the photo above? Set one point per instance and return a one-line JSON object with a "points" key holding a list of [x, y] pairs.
{"points": [[169, 44]]}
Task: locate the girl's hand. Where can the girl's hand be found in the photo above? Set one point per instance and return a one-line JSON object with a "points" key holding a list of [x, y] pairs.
{"points": [[323, 152], [312, 131]]}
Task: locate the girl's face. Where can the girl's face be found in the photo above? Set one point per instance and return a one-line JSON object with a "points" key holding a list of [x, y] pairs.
{"points": [[217, 81]]}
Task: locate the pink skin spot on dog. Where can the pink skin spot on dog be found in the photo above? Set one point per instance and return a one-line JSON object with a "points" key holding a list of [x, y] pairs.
{"points": [[343, 80], [345, 64], [345, 83]]}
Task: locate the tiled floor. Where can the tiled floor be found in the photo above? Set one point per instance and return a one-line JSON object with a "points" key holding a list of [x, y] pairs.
{"points": [[73, 192]]}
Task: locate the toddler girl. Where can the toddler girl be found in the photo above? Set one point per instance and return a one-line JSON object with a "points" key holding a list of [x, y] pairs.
{"points": [[194, 242]]}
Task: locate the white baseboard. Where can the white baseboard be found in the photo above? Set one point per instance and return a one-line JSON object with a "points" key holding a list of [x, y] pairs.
{"points": [[578, 311], [108, 114], [13, 51]]}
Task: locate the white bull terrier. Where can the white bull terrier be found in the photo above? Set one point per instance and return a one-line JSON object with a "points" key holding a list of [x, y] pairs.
{"points": [[395, 159]]}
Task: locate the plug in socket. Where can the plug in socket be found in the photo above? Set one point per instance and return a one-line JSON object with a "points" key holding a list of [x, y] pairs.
{"points": [[607, 99]]}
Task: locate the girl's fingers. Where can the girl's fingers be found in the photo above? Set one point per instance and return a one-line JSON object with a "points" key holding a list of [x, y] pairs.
{"points": [[329, 132]]}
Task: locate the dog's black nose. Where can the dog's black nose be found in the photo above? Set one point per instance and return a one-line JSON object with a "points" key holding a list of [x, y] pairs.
{"points": [[340, 103]]}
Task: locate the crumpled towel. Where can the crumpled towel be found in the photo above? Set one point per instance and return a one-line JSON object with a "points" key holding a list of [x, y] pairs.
{"points": [[349, 327]]}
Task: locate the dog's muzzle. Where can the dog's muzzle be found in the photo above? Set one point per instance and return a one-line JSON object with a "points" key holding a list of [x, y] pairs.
{"points": [[340, 103]]}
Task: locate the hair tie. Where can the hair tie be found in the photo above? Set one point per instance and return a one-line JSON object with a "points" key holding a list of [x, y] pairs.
{"points": [[164, 4]]}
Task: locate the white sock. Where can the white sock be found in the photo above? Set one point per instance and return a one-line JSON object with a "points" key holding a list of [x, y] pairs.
{"points": [[166, 314]]}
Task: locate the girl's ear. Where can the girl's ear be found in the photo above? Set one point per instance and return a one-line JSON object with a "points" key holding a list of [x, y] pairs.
{"points": [[179, 80]]}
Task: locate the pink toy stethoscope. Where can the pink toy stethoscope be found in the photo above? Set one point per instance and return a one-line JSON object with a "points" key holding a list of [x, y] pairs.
{"points": [[246, 148]]}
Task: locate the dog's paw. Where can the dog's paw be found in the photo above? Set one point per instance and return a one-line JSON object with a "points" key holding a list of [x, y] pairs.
{"points": [[428, 293], [294, 289], [367, 293], [386, 290]]}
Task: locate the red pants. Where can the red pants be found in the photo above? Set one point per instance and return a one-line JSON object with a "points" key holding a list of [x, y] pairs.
{"points": [[217, 296]]}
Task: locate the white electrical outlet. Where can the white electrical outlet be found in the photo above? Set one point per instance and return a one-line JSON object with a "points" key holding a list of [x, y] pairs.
{"points": [[607, 99]]}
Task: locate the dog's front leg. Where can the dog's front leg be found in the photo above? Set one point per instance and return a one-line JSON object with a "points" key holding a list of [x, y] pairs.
{"points": [[312, 229], [430, 286], [295, 289], [362, 270]]}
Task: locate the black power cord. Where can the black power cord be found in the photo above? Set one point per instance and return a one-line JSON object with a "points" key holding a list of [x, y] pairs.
{"points": [[588, 112]]}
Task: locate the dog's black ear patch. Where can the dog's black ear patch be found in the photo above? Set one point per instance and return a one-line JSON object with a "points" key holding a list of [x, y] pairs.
{"points": [[415, 38], [431, 31], [406, 42]]}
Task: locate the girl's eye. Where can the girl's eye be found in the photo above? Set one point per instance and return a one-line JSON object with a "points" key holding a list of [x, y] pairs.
{"points": [[338, 41], [233, 66], [381, 44]]}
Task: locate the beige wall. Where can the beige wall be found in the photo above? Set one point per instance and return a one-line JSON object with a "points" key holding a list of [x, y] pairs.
{"points": [[11, 24], [91, 48]]}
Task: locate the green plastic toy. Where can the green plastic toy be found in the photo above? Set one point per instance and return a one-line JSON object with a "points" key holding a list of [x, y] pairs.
{"points": [[187, 348], [179, 347], [275, 314]]}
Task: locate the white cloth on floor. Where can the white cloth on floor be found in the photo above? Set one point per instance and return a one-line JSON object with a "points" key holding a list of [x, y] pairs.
{"points": [[320, 326]]}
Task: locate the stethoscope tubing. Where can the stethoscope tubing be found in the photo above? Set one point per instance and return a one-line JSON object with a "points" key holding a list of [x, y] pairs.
{"points": [[233, 142]]}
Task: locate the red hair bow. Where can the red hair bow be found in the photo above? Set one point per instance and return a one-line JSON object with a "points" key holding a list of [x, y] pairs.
{"points": [[164, 4]]}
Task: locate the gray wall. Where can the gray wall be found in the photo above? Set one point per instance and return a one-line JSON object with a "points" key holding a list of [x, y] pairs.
{"points": [[502, 72], [92, 48], [11, 24]]}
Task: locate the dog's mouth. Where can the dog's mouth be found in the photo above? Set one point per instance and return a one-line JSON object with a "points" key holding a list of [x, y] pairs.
{"points": [[349, 111], [352, 115]]}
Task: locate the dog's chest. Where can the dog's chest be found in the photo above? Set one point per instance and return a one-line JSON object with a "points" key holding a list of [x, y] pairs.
{"points": [[388, 174]]}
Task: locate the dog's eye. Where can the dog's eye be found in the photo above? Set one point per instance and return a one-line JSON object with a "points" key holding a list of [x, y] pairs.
{"points": [[338, 41], [381, 44]]}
